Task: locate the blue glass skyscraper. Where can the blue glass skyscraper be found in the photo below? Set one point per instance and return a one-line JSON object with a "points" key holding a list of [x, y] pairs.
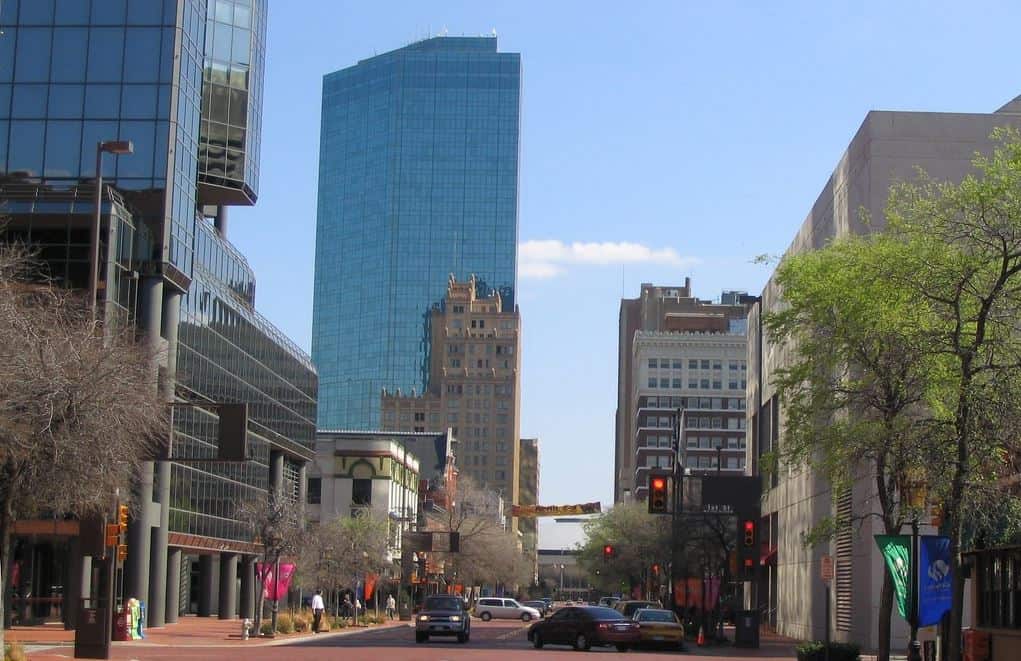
{"points": [[418, 180]]}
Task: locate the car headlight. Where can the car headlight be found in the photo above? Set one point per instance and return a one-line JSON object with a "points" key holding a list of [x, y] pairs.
{"points": [[455, 618], [423, 618]]}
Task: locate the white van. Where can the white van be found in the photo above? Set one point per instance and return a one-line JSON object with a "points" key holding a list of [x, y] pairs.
{"points": [[489, 607]]}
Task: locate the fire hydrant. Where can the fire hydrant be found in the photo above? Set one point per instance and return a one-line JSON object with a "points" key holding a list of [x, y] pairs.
{"points": [[246, 628]]}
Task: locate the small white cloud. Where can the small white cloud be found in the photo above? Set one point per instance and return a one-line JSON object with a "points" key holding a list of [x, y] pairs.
{"points": [[544, 259]]}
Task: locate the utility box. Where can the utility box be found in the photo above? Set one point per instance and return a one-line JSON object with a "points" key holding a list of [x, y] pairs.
{"points": [[746, 629]]}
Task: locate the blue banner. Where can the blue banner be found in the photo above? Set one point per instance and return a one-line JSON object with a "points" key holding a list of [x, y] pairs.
{"points": [[934, 580]]}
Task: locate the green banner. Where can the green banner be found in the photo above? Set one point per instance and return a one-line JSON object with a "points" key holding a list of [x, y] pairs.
{"points": [[896, 550]]}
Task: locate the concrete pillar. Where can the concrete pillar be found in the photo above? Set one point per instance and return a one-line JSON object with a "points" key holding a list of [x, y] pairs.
{"points": [[73, 587], [248, 586], [136, 567], [276, 471], [220, 221], [302, 488], [228, 586], [207, 585], [174, 559]]}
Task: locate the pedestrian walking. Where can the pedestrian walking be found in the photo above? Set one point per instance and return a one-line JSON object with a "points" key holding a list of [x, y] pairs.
{"points": [[391, 607], [317, 610], [347, 607]]}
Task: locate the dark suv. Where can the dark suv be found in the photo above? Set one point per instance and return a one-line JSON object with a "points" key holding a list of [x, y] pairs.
{"points": [[442, 615]]}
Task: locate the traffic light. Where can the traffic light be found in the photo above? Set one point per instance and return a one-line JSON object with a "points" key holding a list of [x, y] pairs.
{"points": [[658, 494], [655, 569], [608, 551], [749, 533], [113, 535], [122, 518]]}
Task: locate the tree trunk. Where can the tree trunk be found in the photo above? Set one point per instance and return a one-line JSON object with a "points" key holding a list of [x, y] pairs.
{"points": [[885, 613], [5, 578], [962, 421]]}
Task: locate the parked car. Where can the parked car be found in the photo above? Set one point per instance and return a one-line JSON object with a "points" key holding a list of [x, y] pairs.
{"points": [[628, 608], [658, 627], [538, 605], [499, 607], [608, 602], [442, 615], [585, 626]]}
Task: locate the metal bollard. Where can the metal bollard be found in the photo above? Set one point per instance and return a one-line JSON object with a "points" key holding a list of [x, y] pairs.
{"points": [[246, 628]]}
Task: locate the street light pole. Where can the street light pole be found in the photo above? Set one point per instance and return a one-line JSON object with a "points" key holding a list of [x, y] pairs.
{"points": [[115, 147], [914, 647], [561, 580]]}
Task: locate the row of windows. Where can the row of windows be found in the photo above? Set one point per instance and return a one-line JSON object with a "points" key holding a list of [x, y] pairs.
{"points": [[696, 384], [697, 363], [713, 442], [692, 422], [490, 349], [710, 462], [666, 402]]}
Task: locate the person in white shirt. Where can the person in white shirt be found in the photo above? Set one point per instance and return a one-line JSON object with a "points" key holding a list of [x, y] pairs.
{"points": [[317, 610], [391, 607]]}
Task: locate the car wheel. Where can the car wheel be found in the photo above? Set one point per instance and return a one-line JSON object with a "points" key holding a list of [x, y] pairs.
{"points": [[537, 640], [486, 617], [525, 617], [462, 638], [421, 637], [622, 648], [581, 642]]}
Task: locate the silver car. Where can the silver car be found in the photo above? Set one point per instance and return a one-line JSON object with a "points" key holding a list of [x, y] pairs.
{"points": [[488, 608]]}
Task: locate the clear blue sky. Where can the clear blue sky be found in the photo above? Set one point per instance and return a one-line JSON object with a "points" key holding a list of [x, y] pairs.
{"points": [[701, 132]]}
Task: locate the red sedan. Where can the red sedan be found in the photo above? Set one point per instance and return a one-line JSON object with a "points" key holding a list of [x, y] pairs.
{"points": [[585, 626]]}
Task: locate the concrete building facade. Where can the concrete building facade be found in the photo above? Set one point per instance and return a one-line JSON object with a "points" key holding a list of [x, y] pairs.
{"points": [[474, 387], [528, 494], [677, 351], [886, 148]]}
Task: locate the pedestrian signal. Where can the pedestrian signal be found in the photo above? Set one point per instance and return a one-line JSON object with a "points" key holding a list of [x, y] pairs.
{"points": [[657, 495], [749, 534]]}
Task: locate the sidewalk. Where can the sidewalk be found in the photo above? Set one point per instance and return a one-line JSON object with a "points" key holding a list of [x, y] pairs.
{"points": [[188, 631]]}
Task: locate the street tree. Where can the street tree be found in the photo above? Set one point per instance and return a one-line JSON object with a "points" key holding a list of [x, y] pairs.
{"points": [[639, 540], [856, 389], [277, 524], [337, 554], [488, 552], [79, 408], [962, 262]]}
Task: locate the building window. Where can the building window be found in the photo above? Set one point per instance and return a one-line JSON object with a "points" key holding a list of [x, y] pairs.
{"points": [[361, 492], [717, 364], [677, 364], [314, 496], [692, 364], [705, 364], [677, 384], [732, 385], [652, 363], [693, 383], [652, 382], [664, 383], [704, 384], [419, 416], [717, 385]]}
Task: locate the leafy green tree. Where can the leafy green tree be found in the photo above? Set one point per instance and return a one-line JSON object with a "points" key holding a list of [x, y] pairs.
{"points": [[962, 263], [855, 388], [639, 540]]}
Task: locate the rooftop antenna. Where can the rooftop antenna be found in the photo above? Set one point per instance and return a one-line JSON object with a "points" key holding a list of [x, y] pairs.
{"points": [[494, 32]]}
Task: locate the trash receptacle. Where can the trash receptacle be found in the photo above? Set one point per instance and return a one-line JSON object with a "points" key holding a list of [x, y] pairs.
{"points": [[120, 626], [404, 612], [746, 629]]}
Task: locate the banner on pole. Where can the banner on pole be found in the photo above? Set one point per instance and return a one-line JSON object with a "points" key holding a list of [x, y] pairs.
{"points": [[370, 585], [529, 511], [271, 588], [934, 579], [896, 550]]}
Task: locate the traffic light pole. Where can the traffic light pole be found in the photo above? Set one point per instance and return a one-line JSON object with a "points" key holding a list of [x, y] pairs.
{"points": [[676, 504]]}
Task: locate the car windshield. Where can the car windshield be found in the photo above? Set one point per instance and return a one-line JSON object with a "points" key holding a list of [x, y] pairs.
{"points": [[646, 615], [443, 604], [600, 613]]}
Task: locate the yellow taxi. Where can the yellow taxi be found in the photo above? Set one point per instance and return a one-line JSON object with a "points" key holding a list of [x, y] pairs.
{"points": [[658, 627]]}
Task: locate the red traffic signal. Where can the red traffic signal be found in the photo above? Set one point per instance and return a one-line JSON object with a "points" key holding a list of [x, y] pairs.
{"points": [[749, 533], [608, 552], [658, 495]]}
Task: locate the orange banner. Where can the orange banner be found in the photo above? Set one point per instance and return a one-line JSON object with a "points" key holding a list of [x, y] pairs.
{"points": [[529, 511]]}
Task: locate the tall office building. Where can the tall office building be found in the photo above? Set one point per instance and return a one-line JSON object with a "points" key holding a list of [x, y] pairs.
{"points": [[474, 388], [675, 352], [418, 179], [887, 148], [182, 80]]}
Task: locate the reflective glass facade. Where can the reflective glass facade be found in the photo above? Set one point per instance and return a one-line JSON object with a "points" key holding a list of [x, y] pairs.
{"points": [[418, 180], [232, 100], [75, 72]]}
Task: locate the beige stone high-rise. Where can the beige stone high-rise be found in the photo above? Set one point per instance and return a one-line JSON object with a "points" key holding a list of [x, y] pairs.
{"points": [[474, 387]]}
